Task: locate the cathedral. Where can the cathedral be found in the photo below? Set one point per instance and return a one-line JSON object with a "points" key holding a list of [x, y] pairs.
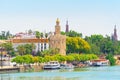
{"points": [[57, 40]]}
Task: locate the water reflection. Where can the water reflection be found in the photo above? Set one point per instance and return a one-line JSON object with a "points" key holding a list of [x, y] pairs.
{"points": [[5, 77], [68, 70], [91, 73], [45, 78]]}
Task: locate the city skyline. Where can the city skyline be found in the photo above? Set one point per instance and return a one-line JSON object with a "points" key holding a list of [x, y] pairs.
{"points": [[85, 16]]}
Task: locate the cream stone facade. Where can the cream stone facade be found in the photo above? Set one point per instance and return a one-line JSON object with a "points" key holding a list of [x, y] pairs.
{"points": [[57, 40]]}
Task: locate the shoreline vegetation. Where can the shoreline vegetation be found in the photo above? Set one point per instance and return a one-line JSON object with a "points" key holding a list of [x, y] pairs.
{"points": [[29, 62]]}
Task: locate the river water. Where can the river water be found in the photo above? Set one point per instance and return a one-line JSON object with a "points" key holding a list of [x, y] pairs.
{"points": [[91, 73]]}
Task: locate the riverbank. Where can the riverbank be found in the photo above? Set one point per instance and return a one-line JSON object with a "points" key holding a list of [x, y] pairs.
{"points": [[89, 73], [21, 68], [9, 69], [29, 68]]}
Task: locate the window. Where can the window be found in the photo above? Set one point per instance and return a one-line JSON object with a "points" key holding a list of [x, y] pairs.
{"points": [[45, 46]]}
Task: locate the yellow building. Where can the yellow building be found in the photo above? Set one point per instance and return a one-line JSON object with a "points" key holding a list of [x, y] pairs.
{"points": [[57, 40]]}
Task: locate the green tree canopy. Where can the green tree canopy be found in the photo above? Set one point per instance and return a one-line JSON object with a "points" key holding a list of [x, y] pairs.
{"points": [[72, 33], [100, 44], [77, 45], [26, 49]]}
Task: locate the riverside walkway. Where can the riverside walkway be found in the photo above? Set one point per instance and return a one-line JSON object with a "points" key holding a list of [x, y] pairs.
{"points": [[5, 69]]}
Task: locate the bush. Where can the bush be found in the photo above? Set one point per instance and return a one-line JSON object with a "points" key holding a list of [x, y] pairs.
{"points": [[111, 59]]}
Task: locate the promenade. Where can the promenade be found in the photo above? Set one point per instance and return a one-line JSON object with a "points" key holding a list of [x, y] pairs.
{"points": [[5, 69]]}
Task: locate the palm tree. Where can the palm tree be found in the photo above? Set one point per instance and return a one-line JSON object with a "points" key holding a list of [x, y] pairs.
{"points": [[21, 49], [46, 35], [41, 35], [8, 47]]}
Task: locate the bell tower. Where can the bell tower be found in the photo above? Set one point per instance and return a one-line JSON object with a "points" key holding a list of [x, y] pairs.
{"points": [[67, 27], [57, 27], [114, 36], [115, 33]]}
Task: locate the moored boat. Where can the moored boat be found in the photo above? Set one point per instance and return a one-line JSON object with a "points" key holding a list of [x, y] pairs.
{"points": [[99, 62], [66, 66], [52, 65]]}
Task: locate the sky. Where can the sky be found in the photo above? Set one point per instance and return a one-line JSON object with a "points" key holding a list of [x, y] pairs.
{"points": [[84, 16]]}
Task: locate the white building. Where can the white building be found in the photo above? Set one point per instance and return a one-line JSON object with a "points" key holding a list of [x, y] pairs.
{"points": [[25, 38]]}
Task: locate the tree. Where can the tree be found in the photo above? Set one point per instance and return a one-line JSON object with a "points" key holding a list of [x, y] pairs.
{"points": [[111, 59], [50, 51], [25, 59], [21, 49], [41, 35], [77, 45], [100, 44], [26, 49], [30, 31], [18, 59], [95, 49], [8, 35], [37, 33], [72, 33], [80, 57], [63, 33], [8, 47], [5, 35], [46, 35], [28, 59]]}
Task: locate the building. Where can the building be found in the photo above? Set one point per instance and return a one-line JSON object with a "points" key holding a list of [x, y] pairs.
{"points": [[26, 38], [67, 27], [57, 40], [114, 35]]}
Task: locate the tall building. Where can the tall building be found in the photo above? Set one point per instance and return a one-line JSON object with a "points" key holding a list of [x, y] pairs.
{"points": [[114, 36], [67, 27], [57, 40]]}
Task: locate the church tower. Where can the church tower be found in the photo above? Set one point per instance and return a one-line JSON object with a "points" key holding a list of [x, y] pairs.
{"points": [[114, 36], [67, 27]]}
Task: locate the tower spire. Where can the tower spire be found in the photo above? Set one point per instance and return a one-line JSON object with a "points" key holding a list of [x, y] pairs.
{"points": [[67, 27], [115, 33]]}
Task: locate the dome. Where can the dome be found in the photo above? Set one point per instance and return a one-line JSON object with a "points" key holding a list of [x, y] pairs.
{"points": [[57, 21]]}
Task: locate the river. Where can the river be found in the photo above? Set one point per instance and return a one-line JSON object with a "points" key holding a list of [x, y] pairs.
{"points": [[90, 73]]}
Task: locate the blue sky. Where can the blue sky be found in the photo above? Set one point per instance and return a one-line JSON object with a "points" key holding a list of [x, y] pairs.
{"points": [[85, 16]]}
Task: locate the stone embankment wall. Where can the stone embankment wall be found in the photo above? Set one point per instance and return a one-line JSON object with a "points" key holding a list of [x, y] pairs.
{"points": [[28, 68], [117, 58]]}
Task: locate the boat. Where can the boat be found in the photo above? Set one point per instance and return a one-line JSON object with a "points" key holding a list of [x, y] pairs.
{"points": [[99, 62], [66, 66], [52, 65]]}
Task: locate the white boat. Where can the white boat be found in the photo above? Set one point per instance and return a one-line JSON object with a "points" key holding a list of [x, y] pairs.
{"points": [[66, 66], [52, 65], [100, 62]]}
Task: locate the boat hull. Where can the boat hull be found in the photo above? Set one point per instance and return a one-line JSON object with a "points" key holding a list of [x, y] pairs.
{"points": [[52, 65]]}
